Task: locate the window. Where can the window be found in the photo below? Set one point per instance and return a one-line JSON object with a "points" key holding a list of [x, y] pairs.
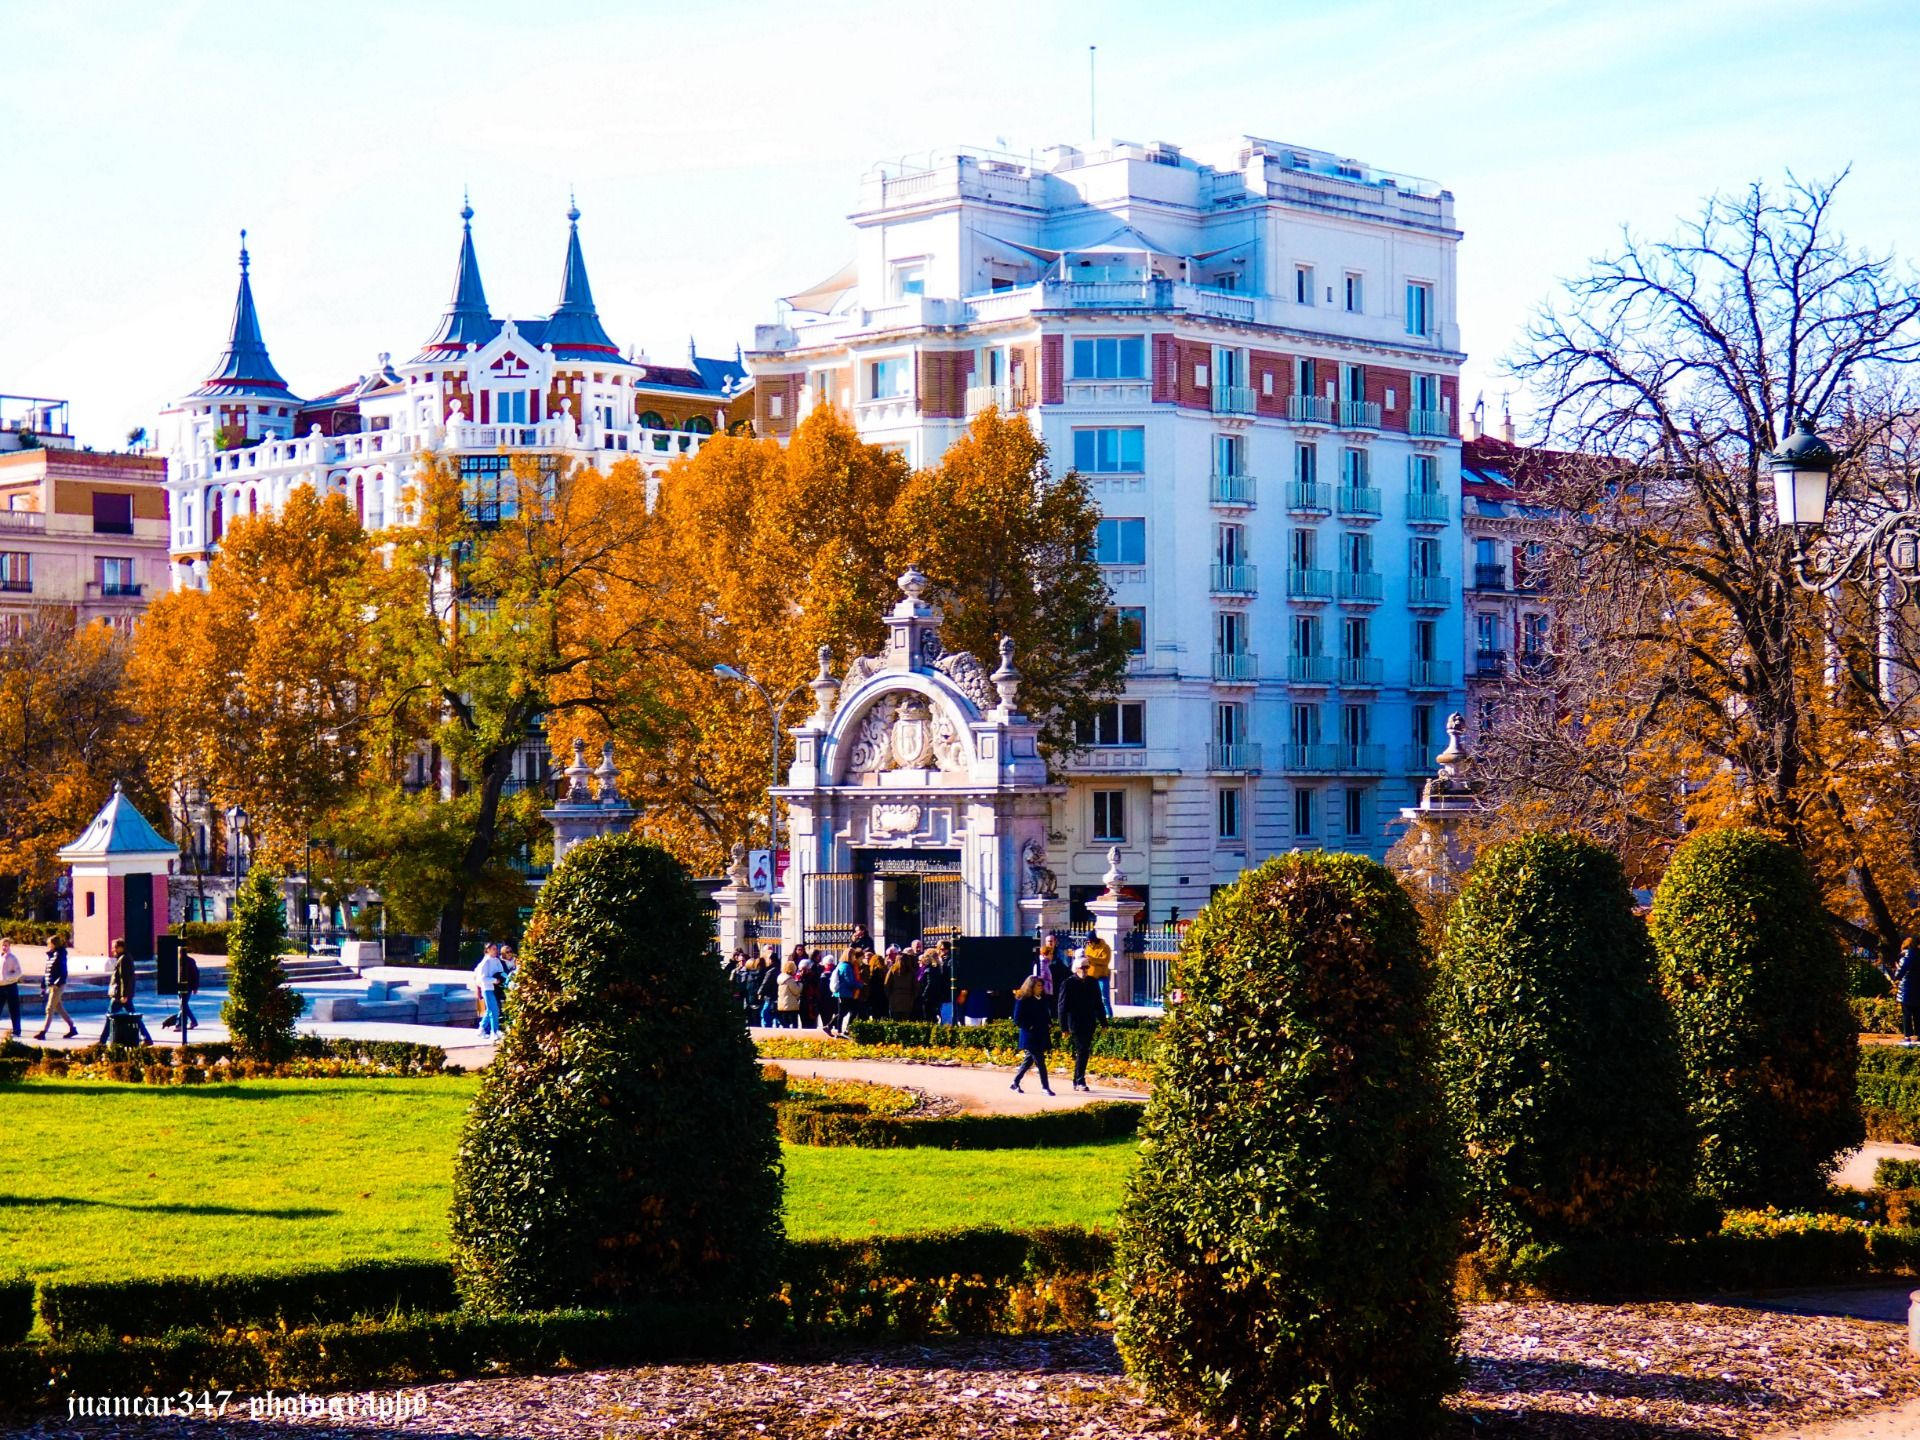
{"points": [[1353, 383], [510, 407], [1230, 546], [1227, 813], [1306, 463], [1426, 641], [909, 279], [775, 404], [112, 514], [1117, 723], [1303, 813], [1426, 392], [1305, 725], [116, 575], [1355, 471], [1229, 366], [1230, 632], [1486, 634], [650, 420], [1486, 552], [1423, 475], [1423, 729], [1303, 377], [1229, 455], [1110, 816], [1356, 811], [1419, 308], [1306, 635], [1305, 549], [16, 571], [1356, 552], [1303, 284], [1423, 556], [1110, 357], [1356, 725], [1356, 637], [1110, 452], [1355, 303], [1133, 625], [890, 379], [1230, 723], [1533, 634], [1120, 542], [90, 904]]}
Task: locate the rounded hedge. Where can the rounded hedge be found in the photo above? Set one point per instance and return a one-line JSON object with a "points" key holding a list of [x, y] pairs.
{"points": [[621, 1147], [1558, 1056], [1758, 987], [1287, 1244]]}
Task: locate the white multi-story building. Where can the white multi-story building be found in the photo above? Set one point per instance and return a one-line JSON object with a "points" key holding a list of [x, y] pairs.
{"points": [[481, 391], [1255, 363]]}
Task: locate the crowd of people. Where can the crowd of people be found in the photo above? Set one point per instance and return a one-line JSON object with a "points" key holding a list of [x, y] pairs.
{"points": [[819, 987]]}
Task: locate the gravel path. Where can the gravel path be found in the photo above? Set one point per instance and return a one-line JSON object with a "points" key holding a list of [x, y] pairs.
{"points": [[1535, 1372], [977, 1089]]}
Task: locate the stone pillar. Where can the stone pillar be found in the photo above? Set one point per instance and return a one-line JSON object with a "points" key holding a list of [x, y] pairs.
{"points": [[738, 902], [1114, 916]]}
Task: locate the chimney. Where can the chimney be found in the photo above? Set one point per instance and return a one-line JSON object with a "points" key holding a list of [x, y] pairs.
{"points": [[1506, 421]]}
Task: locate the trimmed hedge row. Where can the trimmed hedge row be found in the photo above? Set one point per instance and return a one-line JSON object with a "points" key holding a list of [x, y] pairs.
{"points": [[1889, 1086], [833, 1124], [291, 1299], [1876, 1016], [34, 932], [12, 1068], [314, 1057], [203, 937], [1130, 1039], [16, 1308], [1891, 1174]]}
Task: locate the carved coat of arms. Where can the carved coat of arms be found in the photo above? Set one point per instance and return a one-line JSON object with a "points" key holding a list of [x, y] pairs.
{"points": [[912, 734]]}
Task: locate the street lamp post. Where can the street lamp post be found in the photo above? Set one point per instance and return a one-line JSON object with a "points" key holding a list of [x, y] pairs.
{"points": [[729, 672], [1802, 472], [236, 817]]}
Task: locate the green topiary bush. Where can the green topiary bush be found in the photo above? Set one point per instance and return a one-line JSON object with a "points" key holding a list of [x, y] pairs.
{"points": [[1286, 1247], [260, 1010], [1758, 988], [1558, 1056], [620, 1148]]}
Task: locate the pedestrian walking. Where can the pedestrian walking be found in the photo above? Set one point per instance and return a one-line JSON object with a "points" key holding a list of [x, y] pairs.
{"points": [[1099, 956], [787, 997], [189, 987], [1906, 976], [1081, 1014], [844, 986], [121, 985], [1035, 1024], [873, 983], [806, 970], [486, 989], [54, 982], [903, 987], [936, 988], [10, 972], [769, 986]]}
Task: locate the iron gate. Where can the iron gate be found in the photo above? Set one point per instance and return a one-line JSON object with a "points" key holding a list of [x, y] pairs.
{"points": [[836, 902], [940, 896]]}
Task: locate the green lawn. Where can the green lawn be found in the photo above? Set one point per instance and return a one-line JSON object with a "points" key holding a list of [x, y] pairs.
{"points": [[99, 1179]]}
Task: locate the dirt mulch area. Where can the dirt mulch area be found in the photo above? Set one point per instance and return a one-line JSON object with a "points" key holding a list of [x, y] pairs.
{"points": [[1534, 1372]]}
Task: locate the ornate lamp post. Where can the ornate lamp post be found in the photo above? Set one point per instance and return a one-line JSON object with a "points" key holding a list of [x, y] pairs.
{"points": [[1802, 471], [729, 672]]}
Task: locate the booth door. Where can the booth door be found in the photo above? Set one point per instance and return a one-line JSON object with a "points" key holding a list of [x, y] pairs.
{"points": [[137, 908]]}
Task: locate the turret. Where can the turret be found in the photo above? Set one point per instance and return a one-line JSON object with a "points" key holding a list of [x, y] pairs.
{"points": [[575, 324], [467, 320], [245, 397]]}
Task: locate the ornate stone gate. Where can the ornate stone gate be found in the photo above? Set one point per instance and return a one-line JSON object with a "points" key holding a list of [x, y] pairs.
{"points": [[917, 800]]}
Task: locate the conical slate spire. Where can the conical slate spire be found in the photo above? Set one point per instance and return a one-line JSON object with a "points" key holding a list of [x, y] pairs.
{"points": [[575, 324], [245, 365], [467, 320]]}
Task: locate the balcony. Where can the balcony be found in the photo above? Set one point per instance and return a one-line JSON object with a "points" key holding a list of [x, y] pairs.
{"points": [[1432, 424], [1360, 587], [1236, 667], [1362, 671], [999, 397], [1310, 669], [1233, 755], [1232, 580], [11, 586], [1358, 415], [1534, 663], [1360, 502], [1419, 760], [1344, 758], [115, 589], [22, 520], [1427, 590], [1426, 507], [1309, 410], [1308, 495], [1230, 489], [1309, 584], [1430, 675], [1489, 577], [1233, 400], [1489, 664]]}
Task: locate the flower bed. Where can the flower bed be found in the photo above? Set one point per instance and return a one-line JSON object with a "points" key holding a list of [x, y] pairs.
{"points": [[314, 1058]]}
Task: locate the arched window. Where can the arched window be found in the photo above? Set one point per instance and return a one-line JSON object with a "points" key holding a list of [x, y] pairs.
{"points": [[699, 425], [216, 517], [651, 421]]}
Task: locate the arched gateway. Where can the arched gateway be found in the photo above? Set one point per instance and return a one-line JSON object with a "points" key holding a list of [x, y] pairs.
{"points": [[918, 802]]}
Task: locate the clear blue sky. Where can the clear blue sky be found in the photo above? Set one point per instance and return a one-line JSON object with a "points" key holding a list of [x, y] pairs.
{"points": [[716, 149]]}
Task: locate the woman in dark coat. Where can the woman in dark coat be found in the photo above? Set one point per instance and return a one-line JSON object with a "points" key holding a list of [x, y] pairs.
{"points": [[1034, 1019], [1906, 977]]}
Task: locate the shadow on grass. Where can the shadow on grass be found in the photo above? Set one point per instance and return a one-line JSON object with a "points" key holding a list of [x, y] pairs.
{"points": [[211, 1090], [75, 1202]]}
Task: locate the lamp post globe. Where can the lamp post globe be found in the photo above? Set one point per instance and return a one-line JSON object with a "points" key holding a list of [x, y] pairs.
{"points": [[1802, 471]]}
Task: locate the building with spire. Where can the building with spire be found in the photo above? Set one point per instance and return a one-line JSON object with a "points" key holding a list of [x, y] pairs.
{"points": [[481, 391]]}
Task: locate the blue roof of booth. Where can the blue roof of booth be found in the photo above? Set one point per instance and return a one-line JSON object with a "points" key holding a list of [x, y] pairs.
{"points": [[118, 829]]}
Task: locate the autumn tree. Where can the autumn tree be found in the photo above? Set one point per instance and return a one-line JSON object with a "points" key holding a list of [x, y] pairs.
{"points": [[1009, 548], [1695, 680], [65, 736]]}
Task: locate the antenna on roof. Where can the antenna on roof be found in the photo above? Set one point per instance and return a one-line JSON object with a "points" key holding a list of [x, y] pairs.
{"points": [[692, 354]]}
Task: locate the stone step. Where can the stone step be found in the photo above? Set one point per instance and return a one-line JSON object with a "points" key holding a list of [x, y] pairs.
{"points": [[304, 969]]}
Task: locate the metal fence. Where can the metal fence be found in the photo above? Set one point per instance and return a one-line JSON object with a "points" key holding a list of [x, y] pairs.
{"points": [[1151, 949]]}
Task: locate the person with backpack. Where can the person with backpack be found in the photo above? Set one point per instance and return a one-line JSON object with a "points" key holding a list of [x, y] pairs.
{"points": [[843, 991], [55, 984]]}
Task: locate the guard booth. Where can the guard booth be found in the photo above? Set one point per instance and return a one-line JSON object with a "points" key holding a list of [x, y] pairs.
{"points": [[120, 867], [918, 803]]}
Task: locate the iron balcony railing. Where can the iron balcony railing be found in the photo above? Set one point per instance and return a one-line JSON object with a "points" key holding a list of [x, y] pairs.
{"points": [[1430, 674], [1426, 507], [1310, 409], [1308, 495], [1000, 397], [1427, 589], [1310, 669], [1233, 400], [1362, 670], [1309, 584], [1233, 755], [1230, 489], [1429, 422], [1489, 577], [1233, 580], [1359, 415], [1418, 760], [1361, 587], [1489, 664], [1236, 666], [1344, 757], [13, 586], [1361, 500]]}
